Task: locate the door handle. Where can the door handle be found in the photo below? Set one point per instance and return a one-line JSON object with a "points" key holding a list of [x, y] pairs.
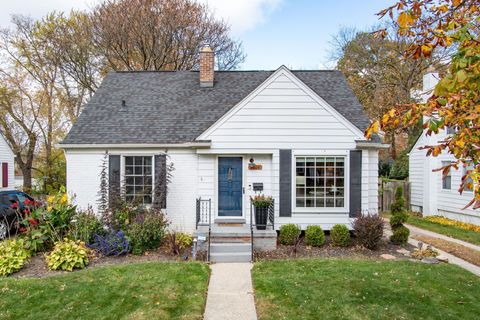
{"points": [[243, 190]]}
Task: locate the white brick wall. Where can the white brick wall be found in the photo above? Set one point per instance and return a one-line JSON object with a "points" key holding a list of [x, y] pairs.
{"points": [[83, 177]]}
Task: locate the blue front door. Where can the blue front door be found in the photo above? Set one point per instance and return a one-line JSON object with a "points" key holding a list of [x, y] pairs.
{"points": [[230, 189]]}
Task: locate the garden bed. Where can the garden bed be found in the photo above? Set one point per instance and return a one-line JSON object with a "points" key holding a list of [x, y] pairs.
{"points": [[329, 251], [36, 266]]}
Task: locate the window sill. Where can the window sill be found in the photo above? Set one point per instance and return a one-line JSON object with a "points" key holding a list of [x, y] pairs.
{"points": [[319, 211]]}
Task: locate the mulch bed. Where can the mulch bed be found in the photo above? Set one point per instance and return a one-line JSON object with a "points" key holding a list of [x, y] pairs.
{"points": [[37, 267], [329, 251]]}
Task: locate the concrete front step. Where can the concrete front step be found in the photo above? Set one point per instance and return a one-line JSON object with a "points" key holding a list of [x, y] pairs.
{"points": [[230, 257], [230, 247]]}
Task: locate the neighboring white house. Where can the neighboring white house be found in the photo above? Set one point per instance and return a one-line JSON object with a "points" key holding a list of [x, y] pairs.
{"points": [[6, 165], [431, 192], [297, 135]]}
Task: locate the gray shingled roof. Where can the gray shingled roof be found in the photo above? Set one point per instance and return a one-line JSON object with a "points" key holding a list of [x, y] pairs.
{"points": [[170, 107]]}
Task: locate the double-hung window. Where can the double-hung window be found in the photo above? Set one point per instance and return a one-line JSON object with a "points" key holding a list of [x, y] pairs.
{"points": [[447, 178], [468, 181], [138, 179], [320, 182]]}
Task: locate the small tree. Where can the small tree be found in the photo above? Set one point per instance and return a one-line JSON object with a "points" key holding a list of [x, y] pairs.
{"points": [[399, 205], [399, 217]]}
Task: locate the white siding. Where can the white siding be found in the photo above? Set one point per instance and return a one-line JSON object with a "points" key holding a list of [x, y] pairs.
{"points": [[451, 202], [416, 168], [6, 155], [373, 181], [283, 115], [448, 203]]}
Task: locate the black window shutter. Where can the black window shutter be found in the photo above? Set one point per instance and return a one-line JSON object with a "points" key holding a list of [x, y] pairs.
{"points": [[285, 183], [355, 183], [160, 196], [113, 177]]}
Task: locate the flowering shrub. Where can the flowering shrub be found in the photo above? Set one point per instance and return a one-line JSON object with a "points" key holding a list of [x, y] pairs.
{"points": [[449, 222], [68, 255], [111, 244], [147, 231], [84, 226], [13, 256], [42, 226]]}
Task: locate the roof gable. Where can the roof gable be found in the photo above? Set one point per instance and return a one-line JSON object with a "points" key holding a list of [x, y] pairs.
{"points": [[171, 108], [284, 75]]}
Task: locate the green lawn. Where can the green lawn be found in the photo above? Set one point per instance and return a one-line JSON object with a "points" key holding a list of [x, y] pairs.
{"points": [[451, 231], [360, 289], [129, 291]]}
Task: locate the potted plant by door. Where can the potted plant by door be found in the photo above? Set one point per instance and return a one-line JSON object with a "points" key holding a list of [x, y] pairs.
{"points": [[261, 204]]}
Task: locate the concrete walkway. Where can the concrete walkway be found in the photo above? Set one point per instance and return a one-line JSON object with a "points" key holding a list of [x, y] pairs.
{"points": [[418, 231], [230, 293]]}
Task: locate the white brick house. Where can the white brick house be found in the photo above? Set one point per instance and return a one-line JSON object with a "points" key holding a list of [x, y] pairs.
{"points": [[298, 135]]}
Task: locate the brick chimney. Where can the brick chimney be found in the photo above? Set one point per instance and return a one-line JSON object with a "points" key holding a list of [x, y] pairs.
{"points": [[207, 62]]}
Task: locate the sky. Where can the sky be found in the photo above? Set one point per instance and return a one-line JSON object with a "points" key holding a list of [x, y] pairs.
{"points": [[295, 33]]}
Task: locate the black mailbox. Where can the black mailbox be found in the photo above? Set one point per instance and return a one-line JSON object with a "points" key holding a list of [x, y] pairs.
{"points": [[257, 187]]}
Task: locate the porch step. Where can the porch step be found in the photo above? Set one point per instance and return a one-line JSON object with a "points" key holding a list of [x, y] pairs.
{"points": [[229, 221], [230, 257], [230, 247]]}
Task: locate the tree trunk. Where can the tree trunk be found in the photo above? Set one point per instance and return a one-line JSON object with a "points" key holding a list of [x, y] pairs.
{"points": [[393, 147], [27, 177]]}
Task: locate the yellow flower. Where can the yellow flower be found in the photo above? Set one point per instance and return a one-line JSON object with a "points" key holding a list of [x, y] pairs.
{"points": [[50, 199], [449, 222], [64, 199]]}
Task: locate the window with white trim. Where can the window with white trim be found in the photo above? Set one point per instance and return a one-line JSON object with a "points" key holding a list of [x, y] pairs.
{"points": [[468, 181], [447, 178], [320, 182], [138, 179]]}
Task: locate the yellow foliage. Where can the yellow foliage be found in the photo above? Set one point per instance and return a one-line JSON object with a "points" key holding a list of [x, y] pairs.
{"points": [[405, 19], [449, 222]]}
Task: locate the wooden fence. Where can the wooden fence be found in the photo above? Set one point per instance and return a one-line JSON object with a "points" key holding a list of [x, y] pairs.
{"points": [[386, 193]]}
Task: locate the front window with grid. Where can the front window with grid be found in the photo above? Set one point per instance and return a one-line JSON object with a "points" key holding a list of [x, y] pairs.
{"points": [[138, 179], [447, 178], [468, 180], [320, 182]]}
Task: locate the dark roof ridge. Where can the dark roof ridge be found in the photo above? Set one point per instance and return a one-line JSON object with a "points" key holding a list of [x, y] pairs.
{"points": [[222, 71]]}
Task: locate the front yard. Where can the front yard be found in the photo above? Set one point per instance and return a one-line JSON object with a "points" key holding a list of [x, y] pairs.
{"points": [[360, 289], [131, 291]]}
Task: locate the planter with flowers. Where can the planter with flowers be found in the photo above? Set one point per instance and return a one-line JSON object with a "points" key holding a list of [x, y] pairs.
{"points": [[261, 205]]}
